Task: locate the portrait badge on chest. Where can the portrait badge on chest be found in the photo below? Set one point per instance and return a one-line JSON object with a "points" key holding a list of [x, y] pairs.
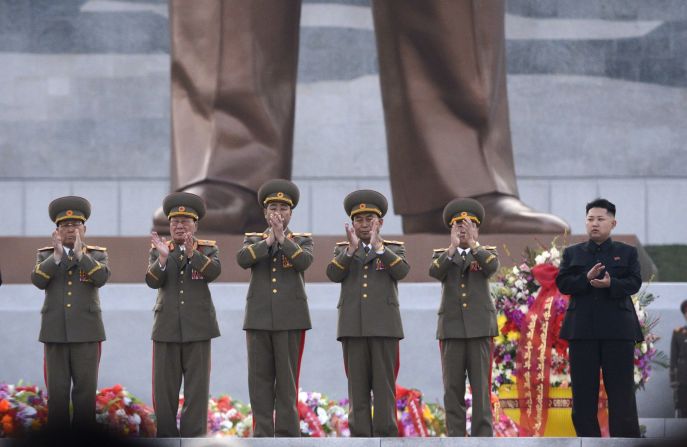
{"points": [[475, 267], [83, 276], [379, 265], [285, 262], [196, 274]]}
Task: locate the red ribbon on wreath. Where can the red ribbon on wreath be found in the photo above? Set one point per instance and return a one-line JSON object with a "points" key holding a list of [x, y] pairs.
{"points": [[414, 407], [310, 418], [534, 353]]}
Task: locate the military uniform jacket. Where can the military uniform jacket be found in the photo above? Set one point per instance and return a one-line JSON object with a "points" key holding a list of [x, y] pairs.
{"points": [[368, 304], [678, 356], [276, 299], [71, 310], [600, 313], [466, 310], [184, 311]]}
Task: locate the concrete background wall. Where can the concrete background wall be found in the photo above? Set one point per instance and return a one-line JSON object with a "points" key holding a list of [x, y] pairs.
{"points": [[127, 353], [597, 90]]}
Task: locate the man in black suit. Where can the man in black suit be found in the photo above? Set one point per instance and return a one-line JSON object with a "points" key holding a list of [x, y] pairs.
{"points": [[601, 324]]}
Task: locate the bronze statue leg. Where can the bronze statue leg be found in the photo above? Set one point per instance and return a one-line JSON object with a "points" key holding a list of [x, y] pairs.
{"points": [[234, 66], [443, 77]]}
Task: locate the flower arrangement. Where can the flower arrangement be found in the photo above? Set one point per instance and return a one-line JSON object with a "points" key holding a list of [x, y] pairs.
{"points": [[321, 416], [514, 293], [22, 409], [228, 417], [121, 413]]}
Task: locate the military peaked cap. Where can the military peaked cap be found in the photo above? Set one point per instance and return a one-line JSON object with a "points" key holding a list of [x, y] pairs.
{"points": [[279, 190], [69, 207], [183, 204], [365, 201], [459, 209]]}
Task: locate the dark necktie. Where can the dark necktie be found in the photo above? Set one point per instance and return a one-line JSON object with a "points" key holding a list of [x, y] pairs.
{"points": [[367, 248], [70, 254]]}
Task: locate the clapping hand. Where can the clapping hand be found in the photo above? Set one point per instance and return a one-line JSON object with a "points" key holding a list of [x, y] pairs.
{"points": [[57, 245], [596, 271], [160, 245], [353, 240], [375, 238], [78, 246], [188, 245]]}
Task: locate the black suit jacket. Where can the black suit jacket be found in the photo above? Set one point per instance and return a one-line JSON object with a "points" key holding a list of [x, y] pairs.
{"points": [[595, 313]]}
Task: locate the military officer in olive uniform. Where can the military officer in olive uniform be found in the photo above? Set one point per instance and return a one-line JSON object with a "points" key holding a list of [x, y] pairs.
{"points": [[71, 273], [369, 325], [185, 320], [277, 314], [467, 317], [678, 366]]}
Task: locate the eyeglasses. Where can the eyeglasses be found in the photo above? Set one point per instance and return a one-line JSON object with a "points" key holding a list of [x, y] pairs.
{"points": [[70, 223]]}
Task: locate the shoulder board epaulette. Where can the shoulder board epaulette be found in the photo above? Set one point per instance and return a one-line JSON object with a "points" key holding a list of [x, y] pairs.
{"points": [[394, 242], [302, 234], [438, 250], [207, 242], [677, 329], [342, 243], [95, 247], [46, 248], [254, 234], [489, 247]]}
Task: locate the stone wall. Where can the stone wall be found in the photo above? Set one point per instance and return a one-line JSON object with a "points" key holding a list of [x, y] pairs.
{"points": [[597, 92]]}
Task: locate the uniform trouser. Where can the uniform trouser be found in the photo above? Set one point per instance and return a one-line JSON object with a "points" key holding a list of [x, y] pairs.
{"points": [[274, 363], [371, 365], [173, 362], [71, 369], [471, 356], [615, 358], [443, 82], [681, 401]]}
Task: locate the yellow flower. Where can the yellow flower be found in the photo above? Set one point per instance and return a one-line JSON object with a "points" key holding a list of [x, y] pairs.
{"points": [[501, 320], [513, 336]]}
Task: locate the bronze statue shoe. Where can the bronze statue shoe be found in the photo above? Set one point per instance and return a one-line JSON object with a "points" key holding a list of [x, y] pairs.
{"points": [[504, 214], [230, 210]]}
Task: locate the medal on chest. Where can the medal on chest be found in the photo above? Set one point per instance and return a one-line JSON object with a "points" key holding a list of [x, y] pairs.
{"points": [[285, 263], [379, 265]]}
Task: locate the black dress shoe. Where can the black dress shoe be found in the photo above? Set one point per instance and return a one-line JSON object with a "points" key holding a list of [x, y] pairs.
{"points": [[230, 210]]}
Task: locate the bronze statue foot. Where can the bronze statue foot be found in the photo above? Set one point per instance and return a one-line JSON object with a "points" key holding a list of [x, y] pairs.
{"points": [[504, 214], [230, 210]]}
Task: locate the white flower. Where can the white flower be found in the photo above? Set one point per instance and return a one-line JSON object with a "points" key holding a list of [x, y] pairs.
{"points": [[643, 347], [127, 401], [135, 418], [555, 253], [303, 396], [638, 376], [322, 415], [519, 283], [515, 270], [231, 413], [226, 425]]}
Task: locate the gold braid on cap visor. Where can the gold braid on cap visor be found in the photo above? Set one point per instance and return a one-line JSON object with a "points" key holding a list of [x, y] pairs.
{"points": [[278, 198], [461, 217], [182, 213], [363, 208], [72, 217]]}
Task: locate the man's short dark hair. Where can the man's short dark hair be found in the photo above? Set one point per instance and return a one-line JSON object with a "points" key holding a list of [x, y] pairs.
{"points": [[683, 306], [601, 203]]}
